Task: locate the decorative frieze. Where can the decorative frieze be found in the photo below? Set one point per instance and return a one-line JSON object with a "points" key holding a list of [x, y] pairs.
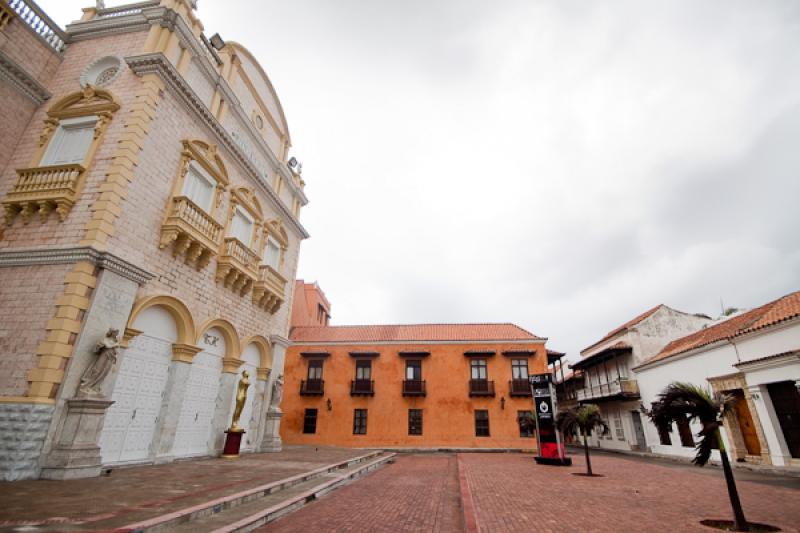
{"points": [[21, 80]]}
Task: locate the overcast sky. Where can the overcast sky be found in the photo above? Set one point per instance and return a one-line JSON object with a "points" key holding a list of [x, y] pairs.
{"points": [[563, 165]]}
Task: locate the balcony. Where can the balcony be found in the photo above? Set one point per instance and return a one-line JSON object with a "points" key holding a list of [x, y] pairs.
{"points": [[481, 387], [413, 387], [269, 290], [43, 190], [622, 388], [237, 266], [312, 387], [519, 387], [195, 233], [362, 387]]}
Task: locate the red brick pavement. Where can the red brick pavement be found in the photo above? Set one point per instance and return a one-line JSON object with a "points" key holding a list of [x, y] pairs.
{"points": [[417, 493], [513, 494], [139, 493]]}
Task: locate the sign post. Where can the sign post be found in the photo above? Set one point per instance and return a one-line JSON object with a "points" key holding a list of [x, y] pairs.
{"points": [[551, 449]]}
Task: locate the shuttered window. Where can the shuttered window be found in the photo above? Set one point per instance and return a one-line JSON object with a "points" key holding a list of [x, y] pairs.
{"points": [[242, 227], [272, 253], [199, 188], [70, 142]]}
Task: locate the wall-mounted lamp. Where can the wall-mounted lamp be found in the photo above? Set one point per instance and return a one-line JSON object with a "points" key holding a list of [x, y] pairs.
{"points": [[329, 403], [217, 42], [502, 402]]}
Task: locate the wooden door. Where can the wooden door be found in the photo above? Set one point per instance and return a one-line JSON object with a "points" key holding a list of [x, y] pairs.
{"points": [[786, 401], [746, 425]]}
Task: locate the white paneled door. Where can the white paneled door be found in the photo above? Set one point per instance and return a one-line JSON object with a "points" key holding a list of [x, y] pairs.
{"points": [[198, 406], [131, 421]]}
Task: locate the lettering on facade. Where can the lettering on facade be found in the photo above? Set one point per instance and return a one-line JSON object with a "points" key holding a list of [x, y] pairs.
{"points": [[210, 340]]}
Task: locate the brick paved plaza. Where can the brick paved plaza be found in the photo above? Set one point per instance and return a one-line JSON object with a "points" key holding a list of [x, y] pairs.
{"points": [[511, 493]]}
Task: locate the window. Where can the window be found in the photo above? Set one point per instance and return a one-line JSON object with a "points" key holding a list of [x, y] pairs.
{"points": [[527, 425], [414, 370], [71, 141], [415, 421], [363, 370], [620, 431], [519, 369], [242, 227], [199, 188], [478, 367], [481, 422], [272, 253], [360, 422], [685, 432], [315, 370], [310, 421]]}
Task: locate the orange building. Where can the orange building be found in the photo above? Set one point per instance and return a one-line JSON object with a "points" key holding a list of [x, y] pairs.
{"points": [[310, 307], [410, 386]]}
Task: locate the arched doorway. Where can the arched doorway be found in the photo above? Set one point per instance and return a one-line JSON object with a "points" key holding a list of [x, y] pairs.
{"points": [[130, 422], [193, 432]]}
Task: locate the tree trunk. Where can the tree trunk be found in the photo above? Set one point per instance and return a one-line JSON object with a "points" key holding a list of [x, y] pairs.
{"points": [[586, 450], [738, 513]]}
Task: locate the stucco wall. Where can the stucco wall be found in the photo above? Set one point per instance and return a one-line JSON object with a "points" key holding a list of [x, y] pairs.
{"points": [[448, 410]]}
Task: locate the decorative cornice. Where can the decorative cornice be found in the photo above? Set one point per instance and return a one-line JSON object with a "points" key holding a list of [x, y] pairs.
{"points": [[22, 81], [158, 64], [60, 256], [114, 25], [419, 343], [278, 340]]}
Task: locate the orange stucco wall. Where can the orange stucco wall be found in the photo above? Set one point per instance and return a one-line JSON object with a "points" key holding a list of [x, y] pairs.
{"points": [[448, 410]]}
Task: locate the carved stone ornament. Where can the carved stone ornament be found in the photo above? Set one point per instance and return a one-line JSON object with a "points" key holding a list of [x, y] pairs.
{"points": [[94, 376], [277, 391]]}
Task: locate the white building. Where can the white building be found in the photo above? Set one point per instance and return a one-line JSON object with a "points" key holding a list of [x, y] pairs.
{"points": [[607, 377], [754, 356]]}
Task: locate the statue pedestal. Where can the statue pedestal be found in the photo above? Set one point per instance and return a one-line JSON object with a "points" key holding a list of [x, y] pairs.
{"points": [[233, 441], [271, 441], [77, 454]]}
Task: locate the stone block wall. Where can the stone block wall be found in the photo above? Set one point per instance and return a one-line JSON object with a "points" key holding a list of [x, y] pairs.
{"points": [[23, 428]]}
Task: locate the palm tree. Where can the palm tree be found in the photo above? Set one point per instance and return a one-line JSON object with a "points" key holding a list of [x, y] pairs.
{"points": [[585, 419], [682, 401]]}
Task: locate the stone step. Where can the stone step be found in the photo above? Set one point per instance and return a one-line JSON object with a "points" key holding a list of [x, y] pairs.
{"points": [[190, 515], [255, 514]]}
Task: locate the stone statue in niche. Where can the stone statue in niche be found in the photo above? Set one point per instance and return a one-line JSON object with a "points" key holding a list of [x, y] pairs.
{"points": [[106, 352], [277, 392], [241, 398]]}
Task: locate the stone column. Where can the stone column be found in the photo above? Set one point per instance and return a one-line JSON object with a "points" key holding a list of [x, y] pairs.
{"points": [[71, 448], [778, 450], [170, 411], [224, 406]]}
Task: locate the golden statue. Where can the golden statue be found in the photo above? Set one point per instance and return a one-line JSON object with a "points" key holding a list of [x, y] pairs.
{"points": [[241, 397]]}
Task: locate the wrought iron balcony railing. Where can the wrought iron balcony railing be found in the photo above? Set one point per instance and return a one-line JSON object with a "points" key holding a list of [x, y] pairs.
{"points": [[312, 387], [362, 387], [519, 387], [414, 387], [481, 387]]}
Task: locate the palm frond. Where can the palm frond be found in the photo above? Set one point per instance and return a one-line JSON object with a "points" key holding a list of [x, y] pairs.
{"points": [[708, 438]]}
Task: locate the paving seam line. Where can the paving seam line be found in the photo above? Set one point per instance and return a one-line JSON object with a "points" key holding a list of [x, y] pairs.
{"points": [[467, 503], [280, 509], [268, 488]]}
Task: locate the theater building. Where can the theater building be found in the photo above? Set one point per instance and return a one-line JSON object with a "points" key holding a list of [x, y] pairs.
{"points": [[146, 188], [410, 386]]}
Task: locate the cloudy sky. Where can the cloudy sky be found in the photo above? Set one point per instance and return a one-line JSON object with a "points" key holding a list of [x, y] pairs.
{"points": [[563, 165]]}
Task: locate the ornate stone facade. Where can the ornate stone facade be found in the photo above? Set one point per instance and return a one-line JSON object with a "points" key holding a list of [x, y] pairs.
{"points": [[141, 200]]}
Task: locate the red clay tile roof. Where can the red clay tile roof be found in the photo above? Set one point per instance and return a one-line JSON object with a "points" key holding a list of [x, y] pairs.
{"points": [[770, 314], [619, 345], [625, 326], [411, 332]]}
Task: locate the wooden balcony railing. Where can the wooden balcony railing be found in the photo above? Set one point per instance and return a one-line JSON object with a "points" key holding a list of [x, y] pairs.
{"points": [[519, 387], [195, 233], [413, 387], [624, 387], [481, 387], [362, 387], [269, 291], [312, 387], [44, 190], [237, 266]]}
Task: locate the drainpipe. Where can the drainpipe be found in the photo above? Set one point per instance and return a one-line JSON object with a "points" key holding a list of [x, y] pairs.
{"points": [[735, 349]]}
